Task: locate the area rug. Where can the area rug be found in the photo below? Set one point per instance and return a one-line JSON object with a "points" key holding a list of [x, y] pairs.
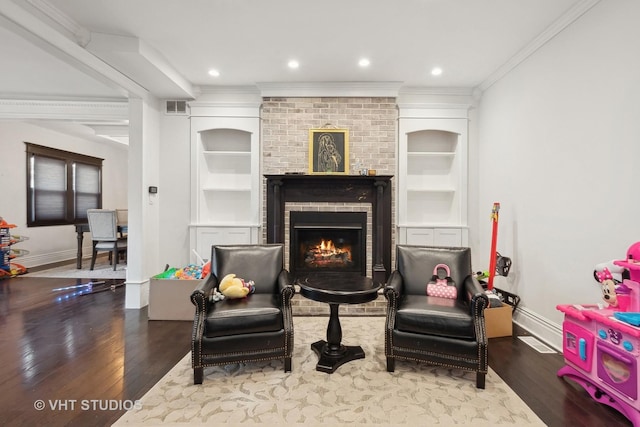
{"points": [[101, 270], [360, 392]]}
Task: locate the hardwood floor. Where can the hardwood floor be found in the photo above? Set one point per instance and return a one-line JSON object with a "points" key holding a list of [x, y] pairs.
{"points": [[87, 352], [73, 350], [533, 376]]}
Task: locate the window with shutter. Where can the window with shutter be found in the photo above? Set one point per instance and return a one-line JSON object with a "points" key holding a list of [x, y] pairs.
{"points": [[61, 186]]}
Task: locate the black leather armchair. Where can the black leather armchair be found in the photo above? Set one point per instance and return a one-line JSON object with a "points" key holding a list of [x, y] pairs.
{"points": [[435, 330], [258, 327]]}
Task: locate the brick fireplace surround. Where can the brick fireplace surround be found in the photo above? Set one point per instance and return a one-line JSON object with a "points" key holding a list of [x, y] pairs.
{"points": [[372, 125]]}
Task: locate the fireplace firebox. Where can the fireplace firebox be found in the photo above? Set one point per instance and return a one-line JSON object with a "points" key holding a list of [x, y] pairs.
{"points": [[374, 190], [327, 242]]}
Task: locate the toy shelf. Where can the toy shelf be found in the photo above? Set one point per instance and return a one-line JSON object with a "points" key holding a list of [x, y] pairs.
{"points": [[7, 253]]}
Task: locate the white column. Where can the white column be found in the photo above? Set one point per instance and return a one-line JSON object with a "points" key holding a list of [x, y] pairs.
{"points": [[144, 229]]}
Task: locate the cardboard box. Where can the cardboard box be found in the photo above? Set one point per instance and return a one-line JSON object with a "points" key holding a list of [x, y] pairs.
{"points": [[498, 321], [170, 299]]}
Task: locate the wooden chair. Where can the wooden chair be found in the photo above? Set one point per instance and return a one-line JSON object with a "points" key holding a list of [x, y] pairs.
{"points": [[104, 233], [122, 216]]}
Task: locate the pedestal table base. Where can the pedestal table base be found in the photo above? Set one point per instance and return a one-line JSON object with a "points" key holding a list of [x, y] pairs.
{"points": [[329, 361]]}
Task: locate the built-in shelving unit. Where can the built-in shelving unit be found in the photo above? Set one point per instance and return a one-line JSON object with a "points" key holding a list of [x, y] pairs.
{"points": [[225, 206], [225, 176], [432, 177]]}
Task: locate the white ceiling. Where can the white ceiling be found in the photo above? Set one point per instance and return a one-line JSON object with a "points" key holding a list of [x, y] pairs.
{"points": [[97, 49]]}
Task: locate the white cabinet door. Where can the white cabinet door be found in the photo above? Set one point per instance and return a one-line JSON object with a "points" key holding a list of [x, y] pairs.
{"points": [[433, 236], [447, 237], [420, 236], [209, 236]]}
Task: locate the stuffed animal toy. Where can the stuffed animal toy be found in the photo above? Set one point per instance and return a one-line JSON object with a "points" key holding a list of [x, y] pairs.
{"points": [[233, 287], [215, 295]]}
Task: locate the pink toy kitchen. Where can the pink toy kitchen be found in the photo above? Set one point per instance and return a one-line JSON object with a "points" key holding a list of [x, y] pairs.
{"points": [[601, 343]]}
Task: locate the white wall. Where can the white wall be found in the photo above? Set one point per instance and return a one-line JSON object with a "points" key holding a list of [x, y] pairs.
{"points": [[56, 243], [559, 148]]}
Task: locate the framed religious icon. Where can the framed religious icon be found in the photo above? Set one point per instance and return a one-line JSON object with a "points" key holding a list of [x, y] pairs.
{"points": [[329, 151]]}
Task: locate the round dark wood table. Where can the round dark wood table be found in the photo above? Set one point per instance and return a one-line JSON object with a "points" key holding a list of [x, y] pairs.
{"points": [[335, 289]]}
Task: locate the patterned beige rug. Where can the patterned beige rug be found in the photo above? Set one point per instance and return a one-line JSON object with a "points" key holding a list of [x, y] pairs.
{"points": [[360, 392]]}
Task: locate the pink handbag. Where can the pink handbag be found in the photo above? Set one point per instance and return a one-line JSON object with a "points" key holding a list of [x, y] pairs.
{"points": [[442, 287]]}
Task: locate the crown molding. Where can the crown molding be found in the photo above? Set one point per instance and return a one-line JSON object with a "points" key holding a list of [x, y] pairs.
{"points": [[239, 90], [570, 16], [99, 111], [423, 90], [320, 89]]}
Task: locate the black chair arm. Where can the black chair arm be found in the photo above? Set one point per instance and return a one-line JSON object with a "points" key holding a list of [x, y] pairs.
{"points": [[394, 286], [200, 298], [477, 297], [285, 287], [200, 295]]}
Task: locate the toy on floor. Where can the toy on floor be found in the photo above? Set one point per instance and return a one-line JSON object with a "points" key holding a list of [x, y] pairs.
{"points": [[495, 210], [601, 346], [8, 268], [85, 289]]}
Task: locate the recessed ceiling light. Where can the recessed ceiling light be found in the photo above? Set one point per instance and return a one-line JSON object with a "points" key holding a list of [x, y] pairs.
{"points": [[364, 62], [214, 73], [436, 71], [293, 64]]}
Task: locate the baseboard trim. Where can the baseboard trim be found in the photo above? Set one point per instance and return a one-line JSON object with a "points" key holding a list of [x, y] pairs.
{"points": [[69, 255], [137, 294], [540, 327]]}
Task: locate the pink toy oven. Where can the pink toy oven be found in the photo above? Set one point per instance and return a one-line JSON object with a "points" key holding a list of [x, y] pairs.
{"points": [[617, 357], [601, 354], [578, 337]]}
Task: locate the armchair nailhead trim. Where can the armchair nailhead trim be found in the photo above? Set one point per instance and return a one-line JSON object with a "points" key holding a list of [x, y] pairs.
{"points": [[248, 355], [434, 354], [446, 365]]}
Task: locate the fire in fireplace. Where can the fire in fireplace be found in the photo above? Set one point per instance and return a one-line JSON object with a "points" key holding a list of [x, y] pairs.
{"points": [[326, 254], [327, 242]]}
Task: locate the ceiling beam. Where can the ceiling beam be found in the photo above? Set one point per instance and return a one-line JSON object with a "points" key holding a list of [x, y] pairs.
{"points": [[141, 62], [26, 25]]}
